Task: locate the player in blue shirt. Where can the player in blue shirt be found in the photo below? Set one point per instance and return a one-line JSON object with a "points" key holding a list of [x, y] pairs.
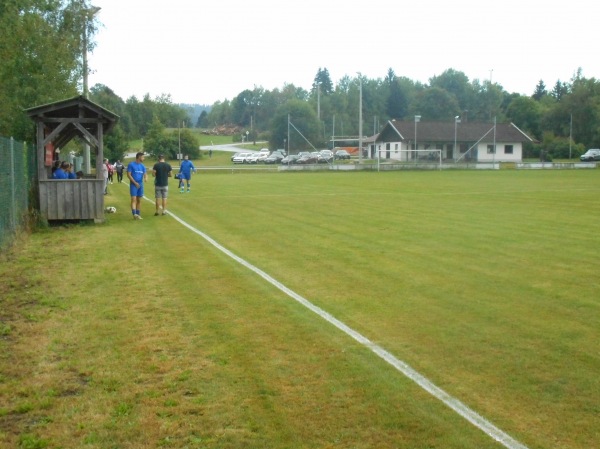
{"points": [[185, 172], [62, 171], [136, 172]]}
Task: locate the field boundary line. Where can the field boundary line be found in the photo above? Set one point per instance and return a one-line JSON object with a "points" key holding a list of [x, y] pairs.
{"points": [[463, 410]]}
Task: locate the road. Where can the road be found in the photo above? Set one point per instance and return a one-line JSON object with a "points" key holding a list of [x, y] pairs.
{"points": [[231, 147]]}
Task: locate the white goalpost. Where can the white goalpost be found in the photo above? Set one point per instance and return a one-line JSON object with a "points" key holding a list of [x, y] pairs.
{"points": [[424, 158]]}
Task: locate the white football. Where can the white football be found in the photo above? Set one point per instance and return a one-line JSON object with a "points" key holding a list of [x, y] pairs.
{"points": [[110, 209]]}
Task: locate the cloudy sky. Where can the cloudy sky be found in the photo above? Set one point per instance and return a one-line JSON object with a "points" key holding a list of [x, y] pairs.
{"points": [[208, 51]]}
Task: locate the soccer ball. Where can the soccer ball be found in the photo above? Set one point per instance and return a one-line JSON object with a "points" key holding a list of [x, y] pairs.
{"points": [[110, 210]]}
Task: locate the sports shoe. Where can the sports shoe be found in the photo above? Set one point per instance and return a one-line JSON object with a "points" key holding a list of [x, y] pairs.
{"points": [[165, 212], [188, 190], [137, 217], [156, 214]]}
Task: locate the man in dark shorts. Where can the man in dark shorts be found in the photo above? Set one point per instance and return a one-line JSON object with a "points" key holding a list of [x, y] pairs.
{"points": [[119, 167], [161, 172]]}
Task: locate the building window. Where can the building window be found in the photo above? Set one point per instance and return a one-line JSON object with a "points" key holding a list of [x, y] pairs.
{"points": [[508, 149], [463, 147], [490, 149]]}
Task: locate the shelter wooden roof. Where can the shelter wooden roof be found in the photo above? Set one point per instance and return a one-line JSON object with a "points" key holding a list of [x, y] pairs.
{"points": [[77, 116]]}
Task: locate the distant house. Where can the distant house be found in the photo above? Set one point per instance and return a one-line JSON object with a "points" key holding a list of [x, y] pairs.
{"points": [[475, 141]]}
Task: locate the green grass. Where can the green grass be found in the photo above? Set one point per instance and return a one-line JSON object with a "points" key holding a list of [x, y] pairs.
{"points": [[141, 334]]}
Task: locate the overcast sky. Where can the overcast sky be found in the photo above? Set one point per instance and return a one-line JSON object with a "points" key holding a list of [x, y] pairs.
{"points": [[203, 52]]}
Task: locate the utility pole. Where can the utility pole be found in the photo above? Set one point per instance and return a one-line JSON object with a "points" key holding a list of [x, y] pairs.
{"points": [[89, 14], [360, 122]]}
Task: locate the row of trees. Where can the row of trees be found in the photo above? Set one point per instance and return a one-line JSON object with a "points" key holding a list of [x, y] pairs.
{"points": [[41, 51], [549, 116]]}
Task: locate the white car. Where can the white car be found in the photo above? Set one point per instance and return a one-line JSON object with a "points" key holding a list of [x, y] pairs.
{"points": [[240, 158], [252, 158]]}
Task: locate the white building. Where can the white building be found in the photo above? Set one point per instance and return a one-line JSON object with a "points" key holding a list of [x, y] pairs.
{"points": [[472, 141]]}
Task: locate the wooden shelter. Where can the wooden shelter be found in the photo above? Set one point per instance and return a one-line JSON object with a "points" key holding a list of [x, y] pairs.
{"points": [[57, 124]]}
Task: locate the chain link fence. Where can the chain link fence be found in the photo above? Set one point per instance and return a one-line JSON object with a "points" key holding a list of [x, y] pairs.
{"points": [[17, 175]]}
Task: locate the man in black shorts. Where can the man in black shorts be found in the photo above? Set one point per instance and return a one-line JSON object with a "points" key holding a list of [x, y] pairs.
{"points": [[161, 172]]}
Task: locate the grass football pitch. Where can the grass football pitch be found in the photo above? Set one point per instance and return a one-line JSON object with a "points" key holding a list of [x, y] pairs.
{"points": [[143, 334]]}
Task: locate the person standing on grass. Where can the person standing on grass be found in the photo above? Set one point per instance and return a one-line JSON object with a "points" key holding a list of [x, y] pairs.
{"points": [[185, 171], [105, 175], [119, 167], [161, 172], [136, 172], [111, 170]]}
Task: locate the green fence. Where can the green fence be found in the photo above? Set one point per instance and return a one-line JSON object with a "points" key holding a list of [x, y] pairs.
{"points": [[17, 174]]}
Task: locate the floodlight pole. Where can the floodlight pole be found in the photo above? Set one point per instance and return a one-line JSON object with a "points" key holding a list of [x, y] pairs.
{"points": [[360, 130], [570, 135], [456, 122], [333, 137], [89, 14], [417, 120], [494, 149], [319, 100]]}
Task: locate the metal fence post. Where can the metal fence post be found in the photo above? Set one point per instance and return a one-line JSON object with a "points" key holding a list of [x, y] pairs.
{"points": [[13, 206]]}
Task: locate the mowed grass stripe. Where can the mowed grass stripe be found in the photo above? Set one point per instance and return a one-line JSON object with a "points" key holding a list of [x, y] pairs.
{"points": [[470, 415], [484, 272]]}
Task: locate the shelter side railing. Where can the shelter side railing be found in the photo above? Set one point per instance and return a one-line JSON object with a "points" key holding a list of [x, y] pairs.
{"points": [[72, 199]]}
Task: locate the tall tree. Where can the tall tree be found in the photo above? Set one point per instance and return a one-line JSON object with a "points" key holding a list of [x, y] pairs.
{"points": [[40, 50], [304, 128], [455, 83], [527, 112], [560, 90], [437, 104], [323, 80], [397, 100], [540, 91]]}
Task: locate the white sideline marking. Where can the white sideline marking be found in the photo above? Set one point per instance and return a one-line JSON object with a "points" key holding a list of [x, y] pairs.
{"points": [[463, 410]]}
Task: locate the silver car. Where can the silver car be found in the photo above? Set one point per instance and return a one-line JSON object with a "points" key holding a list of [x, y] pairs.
{"points": [[591, 155]]}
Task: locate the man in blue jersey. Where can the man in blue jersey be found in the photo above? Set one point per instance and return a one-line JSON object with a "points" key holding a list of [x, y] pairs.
{"points": [[136, 172], [185, 173], [61, 171]]}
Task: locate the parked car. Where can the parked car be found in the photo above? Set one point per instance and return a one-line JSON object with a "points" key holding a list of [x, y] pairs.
{"points": [[308, 158], [274, 158], [341, 154], [325, 156], [252, 158], [289, 159], [236, 155], [263, 154], [240, 158], [591, 155]]}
